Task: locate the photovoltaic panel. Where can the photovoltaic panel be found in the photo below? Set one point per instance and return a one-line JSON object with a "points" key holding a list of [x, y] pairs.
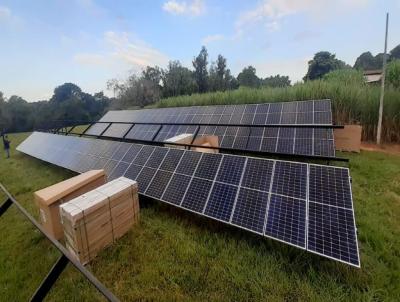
{"points": [[331, 233], [286, 220], [250, 210], [176, 189], [97, 128], [302, 112], [117, 130], [208, 166], [310, 142], [220, 203], [197, 194], [159, 184], [305, 205]]}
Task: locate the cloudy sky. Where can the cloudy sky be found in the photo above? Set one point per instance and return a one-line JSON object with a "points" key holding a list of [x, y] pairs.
{"points": [[46, 43]]}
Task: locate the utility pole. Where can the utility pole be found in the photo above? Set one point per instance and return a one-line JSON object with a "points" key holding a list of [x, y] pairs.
{"points": [[378, 135]]}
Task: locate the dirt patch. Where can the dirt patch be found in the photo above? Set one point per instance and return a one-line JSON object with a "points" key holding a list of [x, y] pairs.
{"points": [[385, 148]]}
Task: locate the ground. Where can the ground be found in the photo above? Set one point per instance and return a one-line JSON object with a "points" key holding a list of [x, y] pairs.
{"points": [[172, 255]]}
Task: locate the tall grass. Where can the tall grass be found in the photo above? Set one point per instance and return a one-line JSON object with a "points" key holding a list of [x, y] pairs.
{"points": [[352, 102]]}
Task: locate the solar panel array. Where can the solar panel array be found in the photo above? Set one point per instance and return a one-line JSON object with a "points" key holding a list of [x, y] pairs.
{"points": [[305, 205], [315, 112], [311, 141]]}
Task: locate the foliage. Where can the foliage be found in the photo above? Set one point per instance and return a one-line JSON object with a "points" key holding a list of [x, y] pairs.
{"points": [[200, 70], [366, 61], [393, 73], [322, 63], [346, 77], [68, 102], [177, 80], [395, 53], [220, 78], [276, 81], [248, 78], [175, 256]]}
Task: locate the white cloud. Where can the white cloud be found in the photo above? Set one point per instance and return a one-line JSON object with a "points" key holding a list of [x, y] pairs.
{"points": [[271, 12], [8, 18], [194, 8], [212, 38], [123, 49]]}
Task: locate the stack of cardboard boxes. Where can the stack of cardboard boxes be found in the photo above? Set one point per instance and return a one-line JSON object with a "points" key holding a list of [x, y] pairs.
{"points": [[96, 219]]}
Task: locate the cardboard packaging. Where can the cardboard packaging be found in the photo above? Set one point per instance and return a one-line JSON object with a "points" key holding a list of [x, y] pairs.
{"points": [[184, 138], [96, 219], [49, 199], [206, 141], [348, 138]]}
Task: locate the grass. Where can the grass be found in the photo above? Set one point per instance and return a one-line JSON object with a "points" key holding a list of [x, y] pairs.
{"points": [[173, 255], [352, 103]]}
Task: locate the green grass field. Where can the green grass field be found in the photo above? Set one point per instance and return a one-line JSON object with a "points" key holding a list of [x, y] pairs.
{"points": [[172, 255]]}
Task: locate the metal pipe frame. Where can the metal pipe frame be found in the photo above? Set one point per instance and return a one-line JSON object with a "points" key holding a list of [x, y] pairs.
{"points": [[326, 126], [61, 263]]}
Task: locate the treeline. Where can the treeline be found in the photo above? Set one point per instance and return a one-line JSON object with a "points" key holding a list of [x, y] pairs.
{"points": [[155, 83], [68, 102]]}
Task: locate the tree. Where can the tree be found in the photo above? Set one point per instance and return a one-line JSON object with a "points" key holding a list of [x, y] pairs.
{"points": [[366, 61], [247, 77], [276, 81], [200, 70], [230, 81], [393, 73], [177, 80], [65, 92], [153, 74], [395, 53], [322, 63]]}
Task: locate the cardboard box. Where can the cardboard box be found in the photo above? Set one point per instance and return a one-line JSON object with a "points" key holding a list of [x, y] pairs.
{"points": [[96, 219], [49, 199], [348, 139], [206, 141], [184, 138]]}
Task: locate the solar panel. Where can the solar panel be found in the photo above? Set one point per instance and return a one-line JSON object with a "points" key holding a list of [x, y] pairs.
{"points": [[305, 205], [302, 112], [283, 140]]}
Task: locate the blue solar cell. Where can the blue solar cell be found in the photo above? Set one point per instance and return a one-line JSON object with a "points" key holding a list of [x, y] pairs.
{"points": [[257, 174], [188, 163], [176, 189], [158, 184], [231, 169], [250, 210], [331, 233], [290, 179], [330, 185], [143, 155], [220, 203], [197, 194], [208, 166], [144, 178], [286, 220]]}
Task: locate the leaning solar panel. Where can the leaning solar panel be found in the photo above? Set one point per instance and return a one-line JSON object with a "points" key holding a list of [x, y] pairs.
{"points": [[305, 205], [313, 112]]}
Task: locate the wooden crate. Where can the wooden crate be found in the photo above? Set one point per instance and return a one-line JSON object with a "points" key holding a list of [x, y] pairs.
{"points": [[98, 218]]}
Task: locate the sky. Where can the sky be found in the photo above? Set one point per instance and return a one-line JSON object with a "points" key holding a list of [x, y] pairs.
{"points": [[44, 44]]}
